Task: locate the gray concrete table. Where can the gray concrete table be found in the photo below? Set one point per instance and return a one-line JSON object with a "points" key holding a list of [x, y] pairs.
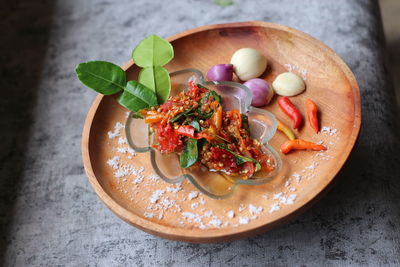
{"points": [[49, 215]]}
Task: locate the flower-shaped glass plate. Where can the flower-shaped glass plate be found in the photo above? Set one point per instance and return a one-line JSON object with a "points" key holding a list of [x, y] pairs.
{"points": [[214, 184]]}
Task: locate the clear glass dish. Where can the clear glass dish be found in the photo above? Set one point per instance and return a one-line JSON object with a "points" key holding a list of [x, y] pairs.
{"points": [[217, 185]]}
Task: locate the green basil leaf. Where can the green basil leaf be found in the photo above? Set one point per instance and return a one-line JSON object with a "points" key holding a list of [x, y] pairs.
{"points": [[216, 96], [156, 78], [177, 117], [190, 153], [245, 123], [104, 77], [195, 124], [203, 115], [180, 115], [239, 158], [152, 51], [137, 96]]}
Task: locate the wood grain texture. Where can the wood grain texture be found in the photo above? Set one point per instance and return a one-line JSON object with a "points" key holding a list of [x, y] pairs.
{"points": [[329, 82]]}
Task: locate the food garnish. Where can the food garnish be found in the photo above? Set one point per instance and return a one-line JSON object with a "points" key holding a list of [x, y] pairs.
{"points": [[299, 144], [152, 54], [194, 125], [287, 106], [312, 113], [154, 84], [288, 84], [103, 77]]}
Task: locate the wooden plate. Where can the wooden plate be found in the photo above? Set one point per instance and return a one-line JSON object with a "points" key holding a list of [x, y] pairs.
{"points": [[178, 212]]}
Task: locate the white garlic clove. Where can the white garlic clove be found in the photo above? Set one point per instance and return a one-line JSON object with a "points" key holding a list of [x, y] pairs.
{"points": [[248, 63], [288, 84]]}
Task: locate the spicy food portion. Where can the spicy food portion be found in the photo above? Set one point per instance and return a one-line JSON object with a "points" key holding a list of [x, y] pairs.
{"points": [[194, 125]]}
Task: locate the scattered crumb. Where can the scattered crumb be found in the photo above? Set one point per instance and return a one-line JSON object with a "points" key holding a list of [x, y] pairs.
{"points": [[291, 68], [176, 189], [202, 201], [193, 195], [148, 215], [255, 210], [131, 151], [161, 215], [244, 220], [215, 223], [156, 195], [166, 203], [138, 180], [303, 74], [297, 176], [312, 166], [122, 140], [202, 227], [153, 177], [117, 130], [290, 200], [230, 214], [242, 207], [274, 208], [114, 162], [208, 213], [329, 130], [122, 150], [189, 215], [128, 169]]}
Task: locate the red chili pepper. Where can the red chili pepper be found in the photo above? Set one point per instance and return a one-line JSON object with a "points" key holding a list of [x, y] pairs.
{"points": [[312, 112], [186, 130], [168, 139], [205, 135], [290, 110], [195, 91], [299, 144]]}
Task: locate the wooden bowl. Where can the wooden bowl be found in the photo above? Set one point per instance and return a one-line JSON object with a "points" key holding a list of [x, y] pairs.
{"points": [[176, 212]]}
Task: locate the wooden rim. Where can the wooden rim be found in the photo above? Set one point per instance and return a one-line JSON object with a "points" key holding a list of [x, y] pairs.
{"points": [[196, 235]]}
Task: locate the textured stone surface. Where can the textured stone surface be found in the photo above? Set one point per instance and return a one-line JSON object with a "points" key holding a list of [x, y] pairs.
{"points": [[49, 215]]}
